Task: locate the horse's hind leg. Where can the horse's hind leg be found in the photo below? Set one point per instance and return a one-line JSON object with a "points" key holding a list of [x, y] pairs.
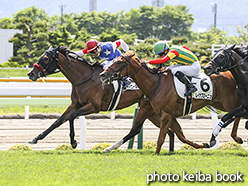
{"points": [[63, 118], [175, 126], [225, 121], [234, 131]]}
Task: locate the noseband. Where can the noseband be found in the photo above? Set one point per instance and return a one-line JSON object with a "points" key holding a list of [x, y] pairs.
{"points": [[117, 74]]}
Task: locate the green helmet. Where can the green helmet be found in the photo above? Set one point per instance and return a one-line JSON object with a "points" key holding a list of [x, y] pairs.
{"points": [[160, 46]]}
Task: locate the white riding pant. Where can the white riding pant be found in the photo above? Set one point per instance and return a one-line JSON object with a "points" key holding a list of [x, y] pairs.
{"points": [[188, 70], [106, 64]]}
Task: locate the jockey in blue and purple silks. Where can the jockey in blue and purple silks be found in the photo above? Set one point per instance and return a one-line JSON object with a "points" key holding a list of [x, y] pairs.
{"points": [[107, 51]]}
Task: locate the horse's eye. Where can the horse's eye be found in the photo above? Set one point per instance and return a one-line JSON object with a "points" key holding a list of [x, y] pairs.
{"points": [[46, 59], [118, 62]]}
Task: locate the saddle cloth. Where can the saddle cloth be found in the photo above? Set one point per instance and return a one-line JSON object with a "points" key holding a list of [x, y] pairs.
{"points": [[132, 85], [202, 83], [116, 95], [118, 87]]}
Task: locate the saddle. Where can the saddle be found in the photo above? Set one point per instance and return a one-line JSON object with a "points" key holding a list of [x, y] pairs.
{"points": [[204, 90], [118, 89]]}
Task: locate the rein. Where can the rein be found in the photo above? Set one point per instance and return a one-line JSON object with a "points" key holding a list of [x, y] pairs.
{"points": [[55, 57], [154, 90], [91, 75], [238, 63], [90, 78], [116, 74]]}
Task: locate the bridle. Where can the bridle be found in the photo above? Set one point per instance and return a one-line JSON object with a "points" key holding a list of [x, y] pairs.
{"points": [[43, 67], [226, 64], [116, 74], [54, 58]]}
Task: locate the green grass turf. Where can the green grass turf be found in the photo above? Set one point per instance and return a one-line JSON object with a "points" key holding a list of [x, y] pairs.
{"points": [[13, 110], [118, 168]]}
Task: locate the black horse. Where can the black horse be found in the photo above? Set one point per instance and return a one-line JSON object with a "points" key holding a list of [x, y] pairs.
{"points": [[233, 59]]}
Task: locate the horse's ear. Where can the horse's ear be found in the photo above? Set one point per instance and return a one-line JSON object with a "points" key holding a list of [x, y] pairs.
{"points": [[232, 47], [50, 48], [130, 54]]}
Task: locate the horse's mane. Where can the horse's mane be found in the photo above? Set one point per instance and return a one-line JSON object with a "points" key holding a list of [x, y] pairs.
{"points": [[65, 51], [150, 69], [241, 51]]}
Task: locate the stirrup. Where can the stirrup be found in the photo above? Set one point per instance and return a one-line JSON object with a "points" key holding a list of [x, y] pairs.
{"points": [[191, 90]]}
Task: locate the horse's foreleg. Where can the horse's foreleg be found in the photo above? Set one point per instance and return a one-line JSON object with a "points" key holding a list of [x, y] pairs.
{"points": [[175, 126], [86, 109], [72, 131], [155, 119], [234, 131], [165, 123], [63, 118], [143, 113]]}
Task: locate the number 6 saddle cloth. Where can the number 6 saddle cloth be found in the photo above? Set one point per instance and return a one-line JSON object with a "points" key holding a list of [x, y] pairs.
{"points": [[202, 83]]}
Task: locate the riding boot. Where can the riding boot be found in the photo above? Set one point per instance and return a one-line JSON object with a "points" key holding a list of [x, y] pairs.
{"points": [[190, 88]]}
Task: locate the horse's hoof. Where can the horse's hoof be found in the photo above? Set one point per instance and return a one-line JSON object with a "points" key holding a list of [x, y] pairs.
{"points": [[212, 143], [33, 141], [240, 141], [206, 145], [106, 150], [74, 145], [246, 125]]}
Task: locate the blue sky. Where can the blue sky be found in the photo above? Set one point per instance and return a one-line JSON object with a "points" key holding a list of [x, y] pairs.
{"points": [[230, 13]]}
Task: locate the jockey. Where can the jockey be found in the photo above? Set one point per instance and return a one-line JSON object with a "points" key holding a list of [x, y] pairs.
{"points": [[187, 63], [107, 51]]}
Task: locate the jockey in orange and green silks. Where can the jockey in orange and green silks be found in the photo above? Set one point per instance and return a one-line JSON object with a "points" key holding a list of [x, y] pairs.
{"points": [[187, 62]]}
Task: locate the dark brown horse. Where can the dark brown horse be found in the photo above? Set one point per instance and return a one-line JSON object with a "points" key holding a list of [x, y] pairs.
{"points": [[89, 95], [233, 59], [160, 90]]}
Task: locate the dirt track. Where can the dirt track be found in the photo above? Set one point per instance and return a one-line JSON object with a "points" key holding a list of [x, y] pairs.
{"points": [[20, 131]]}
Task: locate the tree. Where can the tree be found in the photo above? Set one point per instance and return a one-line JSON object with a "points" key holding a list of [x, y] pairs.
{"points": [[7, 23], [60, 38], [140, 21], [212, 36], [96, 22], [243, 35], [29, 45], [172, 21], [80, 39], [109, 36]]}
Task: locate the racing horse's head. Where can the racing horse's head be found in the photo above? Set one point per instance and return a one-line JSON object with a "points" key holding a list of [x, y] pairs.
{"points": [[46, 65], [222, 61]]}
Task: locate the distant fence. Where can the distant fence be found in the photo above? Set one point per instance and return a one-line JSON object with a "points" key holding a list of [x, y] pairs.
{"points": [[22, 91], [215, 48]]}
